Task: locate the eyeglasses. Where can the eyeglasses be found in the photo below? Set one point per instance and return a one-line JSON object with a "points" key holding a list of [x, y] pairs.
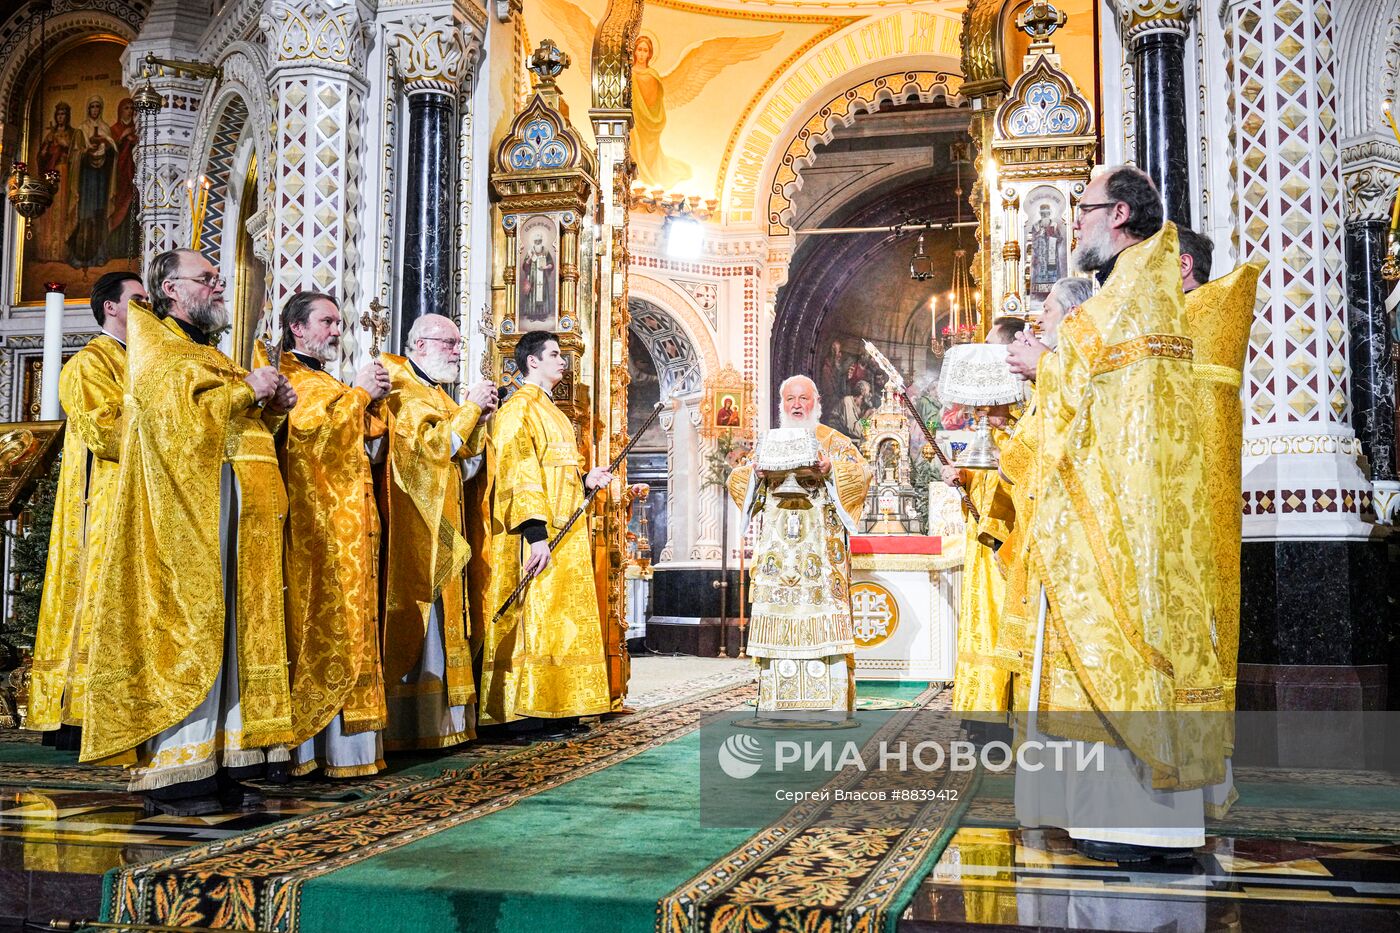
{"points": [[1082, 209], [208, 280], [449, 341]]}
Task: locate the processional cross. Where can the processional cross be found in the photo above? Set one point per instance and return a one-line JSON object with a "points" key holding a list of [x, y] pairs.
{"points": [[376, 322]]}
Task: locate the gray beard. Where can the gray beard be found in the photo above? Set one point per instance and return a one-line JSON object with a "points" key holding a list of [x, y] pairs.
{"points": [[325, 351], [208, 318], [1090, 257], [438, 369]]}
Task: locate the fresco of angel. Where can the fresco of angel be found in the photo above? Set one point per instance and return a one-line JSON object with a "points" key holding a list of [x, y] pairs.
{"points": [[653, 92]]}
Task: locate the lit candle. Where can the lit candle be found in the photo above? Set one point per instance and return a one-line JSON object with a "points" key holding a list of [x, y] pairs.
{"points": [[53, 352]]}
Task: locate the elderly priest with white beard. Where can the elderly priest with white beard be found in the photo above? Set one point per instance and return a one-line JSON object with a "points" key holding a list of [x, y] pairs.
{"points": [[806, 487]]}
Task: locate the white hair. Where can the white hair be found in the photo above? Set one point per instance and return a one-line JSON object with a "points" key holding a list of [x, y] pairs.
{"points": [[813, 418], [420, 324]]}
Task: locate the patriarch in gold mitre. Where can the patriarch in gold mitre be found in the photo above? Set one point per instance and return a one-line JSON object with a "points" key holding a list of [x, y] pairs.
{"points": [[801, 635]]}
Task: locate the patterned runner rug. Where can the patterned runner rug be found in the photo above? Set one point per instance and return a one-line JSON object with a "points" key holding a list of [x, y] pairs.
{"points": [[833, 865], [256, 881]]}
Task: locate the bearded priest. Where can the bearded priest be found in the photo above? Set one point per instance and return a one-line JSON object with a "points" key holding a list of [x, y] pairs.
{"points": [[801, 634], [332, 561], [434, 446], [188, 675]]}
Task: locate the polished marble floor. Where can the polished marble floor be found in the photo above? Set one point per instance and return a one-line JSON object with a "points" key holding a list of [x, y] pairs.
{"points": [[991, 879]]}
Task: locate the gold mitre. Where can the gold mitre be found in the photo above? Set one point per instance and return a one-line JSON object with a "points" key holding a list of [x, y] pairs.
{"points": [[1219, 315]]}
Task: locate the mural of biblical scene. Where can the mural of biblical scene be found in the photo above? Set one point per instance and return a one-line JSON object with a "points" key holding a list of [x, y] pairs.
{"points": [[677, 78], [82, 125], [880, 303], [537, 278], [1046, 237]]}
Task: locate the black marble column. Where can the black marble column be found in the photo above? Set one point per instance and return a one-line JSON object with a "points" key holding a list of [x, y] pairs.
{"points": [[430, 221], [1372, 365], [1163, 151]]}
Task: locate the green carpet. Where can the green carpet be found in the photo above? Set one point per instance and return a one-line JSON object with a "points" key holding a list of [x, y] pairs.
{"points": [[588, 835], [595, 854]]}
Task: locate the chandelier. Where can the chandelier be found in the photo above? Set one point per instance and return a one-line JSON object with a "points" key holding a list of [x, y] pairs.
{"points": [[962, 298], [32, 195]]}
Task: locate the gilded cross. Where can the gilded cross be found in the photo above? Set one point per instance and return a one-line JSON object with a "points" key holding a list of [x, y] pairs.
{"points": [[376, 322]]}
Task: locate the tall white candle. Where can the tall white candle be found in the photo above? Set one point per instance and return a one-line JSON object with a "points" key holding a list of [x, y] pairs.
{"points": [[53, 353]]}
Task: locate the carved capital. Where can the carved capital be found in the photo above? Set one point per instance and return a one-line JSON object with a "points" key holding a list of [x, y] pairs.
{"points": [[331, 34], [259, 227], [433, 53], [1138, 18], [1371, 174]]}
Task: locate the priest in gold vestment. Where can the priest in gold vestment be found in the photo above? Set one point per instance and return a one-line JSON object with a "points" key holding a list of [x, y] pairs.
{"points": [[543, 658], [981, 689], [188, 672], [332, 560], [434, 443], [801, 635], [90, 387], [1219, 314], [1123, 648]]}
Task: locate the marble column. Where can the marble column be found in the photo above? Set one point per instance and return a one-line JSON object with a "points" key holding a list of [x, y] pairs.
{"points": [[430, 184], [433, 53], [1312, 580], [1155, 33], [1370, 190]]}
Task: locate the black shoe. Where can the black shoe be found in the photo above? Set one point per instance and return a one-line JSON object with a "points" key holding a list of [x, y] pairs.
{"points": [[1128, 854], [236, 796], [183, 806]]}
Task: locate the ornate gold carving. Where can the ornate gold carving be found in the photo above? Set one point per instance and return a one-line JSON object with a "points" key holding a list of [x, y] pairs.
{"points": [[612, 55]]}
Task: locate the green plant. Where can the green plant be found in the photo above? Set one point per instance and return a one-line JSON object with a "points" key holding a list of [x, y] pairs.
{"points": [[721, 461], [29, 556]]}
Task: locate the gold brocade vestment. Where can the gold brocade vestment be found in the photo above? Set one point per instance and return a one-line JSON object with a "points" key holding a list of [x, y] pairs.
{"points": [[1120, 538], [801, 582], [90, 388], [980, 686], [332, 562], [544, 657], [426, 546], [1219, 315], [158, 633]]}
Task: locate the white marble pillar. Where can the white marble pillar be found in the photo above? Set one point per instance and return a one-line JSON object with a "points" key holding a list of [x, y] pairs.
{"points": [[1301, 479], [318, 53]]}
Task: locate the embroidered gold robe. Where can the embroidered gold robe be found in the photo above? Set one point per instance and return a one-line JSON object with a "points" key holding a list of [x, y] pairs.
{"points": [[426, 545], [332, 562], [1121, 537], [158, 630], [90, 388], [1219, 315], [980, 686], [801, 582], [544, 657]]}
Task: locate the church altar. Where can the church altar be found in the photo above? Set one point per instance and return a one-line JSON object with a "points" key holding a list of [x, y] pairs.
{"points": [[904, 605]]}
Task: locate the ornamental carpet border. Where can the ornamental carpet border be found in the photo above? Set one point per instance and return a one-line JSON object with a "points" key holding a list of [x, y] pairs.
{"points": [[254, 881], [829, 865]]}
